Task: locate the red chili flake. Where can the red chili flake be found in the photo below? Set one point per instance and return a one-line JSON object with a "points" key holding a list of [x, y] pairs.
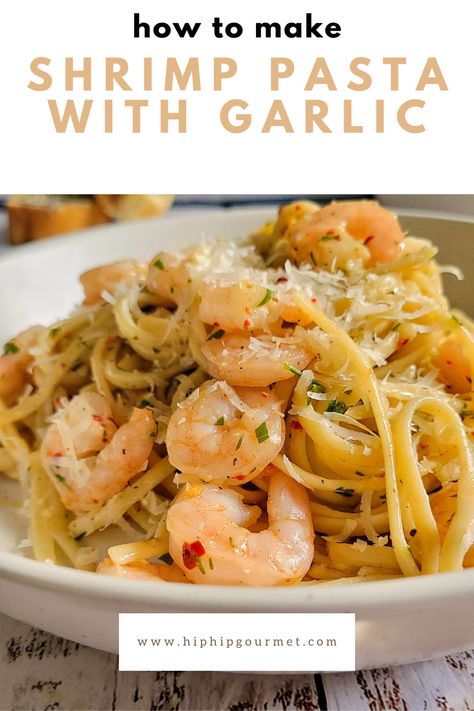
{"points": [[239, 477], [313, 300], [330, 232], [369, 239], [296, 425], [57, 454], [246, 323], [402, 342], [191, 553], [97, 418], [281, 280], [188, 557], [198, 549]]}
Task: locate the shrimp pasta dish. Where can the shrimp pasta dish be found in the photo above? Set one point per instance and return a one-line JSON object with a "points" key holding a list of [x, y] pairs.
{"points": [[293, 407]]}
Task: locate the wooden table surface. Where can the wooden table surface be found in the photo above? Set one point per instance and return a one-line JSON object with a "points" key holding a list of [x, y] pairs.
{"points": [[39, 671]]}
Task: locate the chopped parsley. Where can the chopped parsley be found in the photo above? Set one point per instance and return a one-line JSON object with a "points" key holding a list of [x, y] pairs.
{"points": [[10, 347], [211, 564], [336, 405], [344, 492], [60, 478], [54, 331], [200, 565], [328, 237], [159, 265], [266, 298], [292, 369], [456, 320], [317, 387], [219, 422], [166, 558], [239, 443], [262, 433], [216, 334], [144, 403]]}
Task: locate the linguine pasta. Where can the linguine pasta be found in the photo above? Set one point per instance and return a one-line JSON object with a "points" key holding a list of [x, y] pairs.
{"points": [[316, 362]]}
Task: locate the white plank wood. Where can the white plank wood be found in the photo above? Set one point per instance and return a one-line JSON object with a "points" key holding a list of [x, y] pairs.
{"points": [[145, 691], [40, 671], [203, 691], [445, 684]]}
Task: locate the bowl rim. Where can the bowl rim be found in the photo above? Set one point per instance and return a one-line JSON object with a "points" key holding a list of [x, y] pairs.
{"points": [[397, 592], [62, 241], [375, 594]]}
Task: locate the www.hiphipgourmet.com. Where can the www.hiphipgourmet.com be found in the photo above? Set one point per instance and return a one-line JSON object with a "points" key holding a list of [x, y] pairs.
{"points": [[238, 643]]}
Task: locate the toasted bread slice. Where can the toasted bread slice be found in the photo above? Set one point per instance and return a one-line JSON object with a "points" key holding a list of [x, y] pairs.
{"points": [[33, 217], [134, 207]]}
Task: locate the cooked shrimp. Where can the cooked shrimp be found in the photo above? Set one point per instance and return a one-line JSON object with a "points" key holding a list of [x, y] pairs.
{"points": [[270, 240], [245, 306], [211, 543], [241, 305], [220, 434], [143, 570], [106, 278], [168, 278], [454, 368], [359, 229], [242, 359], [88, 458], [14, 363], [289, 215]]}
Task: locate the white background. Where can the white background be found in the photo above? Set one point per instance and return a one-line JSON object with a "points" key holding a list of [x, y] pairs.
{"points": [[230, 627], [208, 159]]}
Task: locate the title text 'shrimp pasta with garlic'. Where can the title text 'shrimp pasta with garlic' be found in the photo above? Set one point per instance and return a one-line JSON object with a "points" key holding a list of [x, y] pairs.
{"points": [[294, 407]]}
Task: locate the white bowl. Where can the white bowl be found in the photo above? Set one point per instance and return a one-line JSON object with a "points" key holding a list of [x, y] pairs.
{"points": [[398, 621]]}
